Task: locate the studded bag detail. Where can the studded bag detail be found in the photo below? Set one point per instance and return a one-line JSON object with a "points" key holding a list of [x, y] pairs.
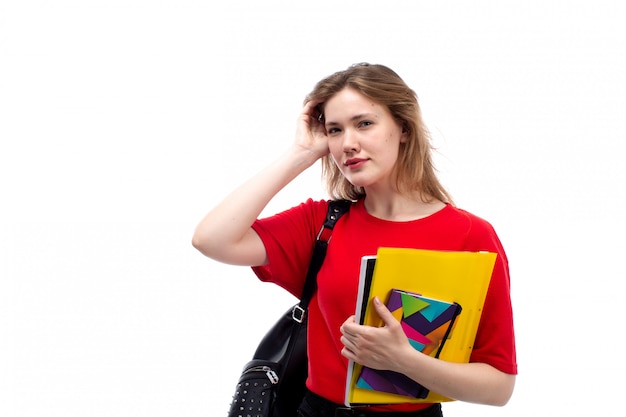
{"points": [[254, 392]]}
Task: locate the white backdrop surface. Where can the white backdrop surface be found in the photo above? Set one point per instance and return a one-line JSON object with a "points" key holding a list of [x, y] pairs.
{"points": [[123, 122]]}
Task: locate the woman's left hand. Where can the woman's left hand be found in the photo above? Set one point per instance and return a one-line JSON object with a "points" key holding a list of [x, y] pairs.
{"points": [[375, 347]]}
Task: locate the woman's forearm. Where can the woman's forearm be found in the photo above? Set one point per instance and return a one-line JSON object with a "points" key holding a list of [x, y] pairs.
{"points": [[470, 382], [224, 234]]}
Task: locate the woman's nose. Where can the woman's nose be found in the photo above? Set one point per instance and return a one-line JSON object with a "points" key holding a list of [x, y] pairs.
{"points": [[350, 141]]}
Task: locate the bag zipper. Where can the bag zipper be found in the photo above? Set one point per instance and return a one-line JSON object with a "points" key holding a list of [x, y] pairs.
{"points": [[271, 375]]}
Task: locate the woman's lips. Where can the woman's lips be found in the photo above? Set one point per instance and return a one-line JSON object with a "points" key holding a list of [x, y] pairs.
{"points": [[355, 163]]}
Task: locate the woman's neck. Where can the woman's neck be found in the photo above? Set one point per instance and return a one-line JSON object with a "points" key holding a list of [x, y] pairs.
{"points": [[395, 206]]}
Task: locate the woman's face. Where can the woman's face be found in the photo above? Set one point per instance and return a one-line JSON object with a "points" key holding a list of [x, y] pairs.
{"points": [[363, 139]]}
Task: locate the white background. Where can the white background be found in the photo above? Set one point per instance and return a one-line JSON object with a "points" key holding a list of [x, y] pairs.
{"points": [[123, 121]]}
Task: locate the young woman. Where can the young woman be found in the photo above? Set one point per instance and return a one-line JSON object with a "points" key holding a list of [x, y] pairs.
{"points": [[365, 124]]}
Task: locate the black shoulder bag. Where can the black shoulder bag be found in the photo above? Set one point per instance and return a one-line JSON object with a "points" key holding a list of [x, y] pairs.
{"points": [[272, 384]]}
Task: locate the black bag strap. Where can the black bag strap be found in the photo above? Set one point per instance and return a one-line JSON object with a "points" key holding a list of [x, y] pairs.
{"points": [[336, 208]]}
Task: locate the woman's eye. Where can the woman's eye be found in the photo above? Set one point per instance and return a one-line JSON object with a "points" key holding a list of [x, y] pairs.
{"points": [[333, 130], [365, 123]]}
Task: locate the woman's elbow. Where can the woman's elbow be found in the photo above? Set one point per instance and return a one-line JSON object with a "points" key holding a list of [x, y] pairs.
{"points": [[504, 391], [247, 251], [202, 243]]}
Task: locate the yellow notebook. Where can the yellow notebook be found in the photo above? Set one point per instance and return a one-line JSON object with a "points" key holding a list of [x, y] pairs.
{"points": [[452, 276]]}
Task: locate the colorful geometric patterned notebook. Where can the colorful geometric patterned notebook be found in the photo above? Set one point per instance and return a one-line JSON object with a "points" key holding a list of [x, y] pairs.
{"points": [[427, 322]]}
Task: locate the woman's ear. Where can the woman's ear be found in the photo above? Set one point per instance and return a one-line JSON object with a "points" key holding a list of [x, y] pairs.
{"points": [[319, 113], [405, 133]]}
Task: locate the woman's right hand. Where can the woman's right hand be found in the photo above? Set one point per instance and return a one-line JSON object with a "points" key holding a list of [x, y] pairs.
{"points": [[311, 133]]}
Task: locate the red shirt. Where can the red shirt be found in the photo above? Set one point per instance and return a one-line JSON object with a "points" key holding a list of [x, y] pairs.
{"points": [[289, 238]]}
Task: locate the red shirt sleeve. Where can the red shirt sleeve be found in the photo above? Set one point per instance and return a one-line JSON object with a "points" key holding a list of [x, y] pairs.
{"points": [[289, 238]]}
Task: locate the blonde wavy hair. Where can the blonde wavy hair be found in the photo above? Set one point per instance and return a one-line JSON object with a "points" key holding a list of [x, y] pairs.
{"points": [[415, 168]]}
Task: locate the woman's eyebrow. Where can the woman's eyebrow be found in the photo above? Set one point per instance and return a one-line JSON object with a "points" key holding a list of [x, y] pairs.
{"points": [[352, 119]]}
